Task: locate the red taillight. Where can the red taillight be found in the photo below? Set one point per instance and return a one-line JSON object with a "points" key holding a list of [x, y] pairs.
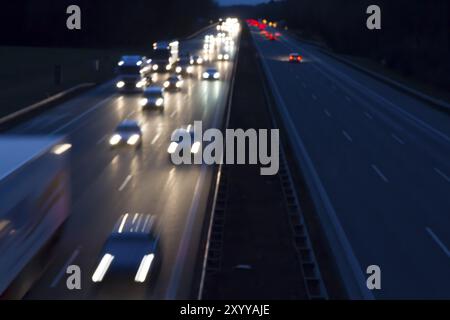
{"points": [[299, 58], [291, 58]]}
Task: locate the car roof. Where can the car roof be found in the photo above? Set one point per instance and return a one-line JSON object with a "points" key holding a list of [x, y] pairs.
{"points": [[131, 59], [129, 123], [154, 89], [211, 70], [134, 224], [294, 54]]}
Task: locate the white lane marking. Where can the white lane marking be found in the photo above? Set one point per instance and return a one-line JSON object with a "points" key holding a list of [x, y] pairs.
{"points": [[95, 107], [380, 174], [368, 115], [156, 137], [398, 139], [64, 268], [327, 112], [443, 175], [314, 97], [124, 184], [131, 113], [173, 113], [438, 241], [101, 139], [347, 136]]}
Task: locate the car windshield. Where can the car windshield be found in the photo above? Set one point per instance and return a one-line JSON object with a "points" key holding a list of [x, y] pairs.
{"points": [[128, 128]]}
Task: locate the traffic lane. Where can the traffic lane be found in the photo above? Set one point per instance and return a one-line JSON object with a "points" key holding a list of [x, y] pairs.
{"points": [[198, 115], [55, 119], [372, 150], [404, 107]]}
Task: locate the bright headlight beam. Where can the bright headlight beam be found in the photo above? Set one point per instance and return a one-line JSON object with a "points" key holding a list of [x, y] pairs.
{"points": [[120, 84], [115, 139], [195, 147], [143, 102], [60, 149], [133, 139], [172, 147], [144, 267], [102, 268], [159, 102]]}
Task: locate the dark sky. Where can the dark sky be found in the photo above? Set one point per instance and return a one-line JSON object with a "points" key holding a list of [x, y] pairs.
{"points": [[230, 2]]}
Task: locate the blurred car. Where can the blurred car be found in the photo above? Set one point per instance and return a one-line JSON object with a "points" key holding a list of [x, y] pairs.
{"points": [[174, 82], [131, 74], [196, 60], [128, 132], [177, 140], [270, 36], [223, 56], [131, 253], [184, 67], [211, 74], [153, 97], [295, 57]]}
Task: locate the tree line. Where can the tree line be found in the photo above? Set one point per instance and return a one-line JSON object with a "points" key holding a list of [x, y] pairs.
{"points": [[105, 23], [414, 38]]}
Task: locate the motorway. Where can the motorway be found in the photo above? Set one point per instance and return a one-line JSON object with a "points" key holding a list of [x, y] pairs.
{"points": [[382, 161], [107, 183]]}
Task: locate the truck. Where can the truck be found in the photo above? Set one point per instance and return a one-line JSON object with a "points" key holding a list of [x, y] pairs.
{"points": [[162, 60], [35, 203], [133, 74]]}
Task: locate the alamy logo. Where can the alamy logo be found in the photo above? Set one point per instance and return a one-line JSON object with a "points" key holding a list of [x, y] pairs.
{"points": [[374, 20], [237, 147], [374, 280], [73, 22]]}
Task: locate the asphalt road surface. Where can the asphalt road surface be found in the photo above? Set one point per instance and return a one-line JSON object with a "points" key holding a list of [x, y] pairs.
{"points": [[107, 183], [382, 158]]}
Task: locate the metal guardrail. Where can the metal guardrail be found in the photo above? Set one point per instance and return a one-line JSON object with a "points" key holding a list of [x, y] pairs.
{"points": [[42, 104], [218, 182]]}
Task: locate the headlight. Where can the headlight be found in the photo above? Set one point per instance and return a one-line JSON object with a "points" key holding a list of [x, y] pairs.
{"points": [[155, 67], [191, 61], [166, 84], [172, 147], [220, 56], [226, 56], [159, 102], [216, 75], [140, 84], [143, 102], [168, 67], [120, 63], [115, 139], [178, 69], [178, 84], [205, 75], [189, 69], [138, 63], [120, 84], [133, 139], [199, 60], [195, 147]]}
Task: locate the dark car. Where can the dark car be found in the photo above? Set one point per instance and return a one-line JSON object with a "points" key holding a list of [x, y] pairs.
{"points": [[130, 256]]}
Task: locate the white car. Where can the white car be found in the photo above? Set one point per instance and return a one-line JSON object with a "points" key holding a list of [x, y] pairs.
{"points": [[211, 74], [153, 97], [223, 56], [196, 60], [191, 144], [174, 82], [128, 132]]}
